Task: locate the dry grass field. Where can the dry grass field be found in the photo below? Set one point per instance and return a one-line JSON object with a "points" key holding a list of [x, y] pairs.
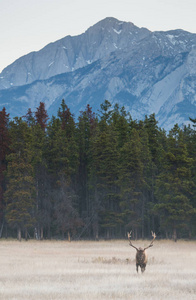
{"points": [[96, 270]]}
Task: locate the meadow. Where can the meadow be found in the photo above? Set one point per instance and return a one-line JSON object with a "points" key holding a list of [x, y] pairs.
{"points": [[55, 270]]}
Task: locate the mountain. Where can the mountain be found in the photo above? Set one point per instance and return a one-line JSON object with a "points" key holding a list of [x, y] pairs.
{"points": [[147, 72], [71, 53]]}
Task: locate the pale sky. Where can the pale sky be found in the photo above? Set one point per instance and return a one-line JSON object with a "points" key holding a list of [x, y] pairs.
{"points": [[29, 25]]}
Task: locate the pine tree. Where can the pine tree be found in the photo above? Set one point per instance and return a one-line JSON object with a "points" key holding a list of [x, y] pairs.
{"points": [[105, 112], [41, 116], [66, 119], [190, 136], [173, 186], [66, 214], [157, 144], [85, 129], [146, 159], [193, 121], [68, 134], [62, 152], [104, 175], [29, 118], [20, 193], [132, 182], [42, 181], [4, 149], [119, 120]]}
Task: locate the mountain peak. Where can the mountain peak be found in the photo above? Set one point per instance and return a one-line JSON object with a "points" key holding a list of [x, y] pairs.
{"points": [[147, 72], [110, 23], [71, 52]]}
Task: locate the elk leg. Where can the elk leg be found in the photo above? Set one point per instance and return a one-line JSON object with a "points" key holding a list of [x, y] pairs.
{"points": [[143, 267], [137, 267]]}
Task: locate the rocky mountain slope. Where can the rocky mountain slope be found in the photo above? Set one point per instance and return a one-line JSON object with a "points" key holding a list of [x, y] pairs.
{"points": [[147, 72]]}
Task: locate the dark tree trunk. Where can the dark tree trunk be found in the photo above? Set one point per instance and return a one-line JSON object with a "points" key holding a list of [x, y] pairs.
{"points": [[69, 236], [26, 234], [41, 233], [175, 234], [19, 235]]}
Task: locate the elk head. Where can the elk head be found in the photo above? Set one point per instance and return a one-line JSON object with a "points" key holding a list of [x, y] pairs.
{"points": [[141, 256]]}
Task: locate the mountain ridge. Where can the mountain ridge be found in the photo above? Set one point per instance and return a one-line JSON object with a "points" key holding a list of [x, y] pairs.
{"points": [[69, 50], [147, 72]]}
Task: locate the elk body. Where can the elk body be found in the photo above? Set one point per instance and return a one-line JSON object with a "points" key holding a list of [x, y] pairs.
{"points": [[141, 256]]}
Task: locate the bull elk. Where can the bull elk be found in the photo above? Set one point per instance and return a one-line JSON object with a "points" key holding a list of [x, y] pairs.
{"points": [[141, 256]]}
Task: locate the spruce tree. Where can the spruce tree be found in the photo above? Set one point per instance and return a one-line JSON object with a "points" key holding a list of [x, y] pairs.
{"points": [[119, 120], [29, 118], [190, 135], [4, 150], [41, 116], [146, 159], [38, 125], [85, 130], [20, 193], [173, 186], [157, 146], [42, 181], [132, 183], [104, 175], [62, 155], [65, 209], [68, 133]]}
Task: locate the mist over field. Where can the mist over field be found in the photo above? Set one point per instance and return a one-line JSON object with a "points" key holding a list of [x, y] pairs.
{"points": [[96, 270]]}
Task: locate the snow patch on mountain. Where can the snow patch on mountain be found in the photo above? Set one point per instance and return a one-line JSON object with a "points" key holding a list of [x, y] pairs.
{"points": [[117, 31]]}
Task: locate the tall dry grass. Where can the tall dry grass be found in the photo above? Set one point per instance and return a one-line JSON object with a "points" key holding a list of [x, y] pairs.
{"points": [[96, 270]]}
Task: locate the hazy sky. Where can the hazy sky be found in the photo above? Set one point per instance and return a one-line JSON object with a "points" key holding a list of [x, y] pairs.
{"points": [[29, 25]]}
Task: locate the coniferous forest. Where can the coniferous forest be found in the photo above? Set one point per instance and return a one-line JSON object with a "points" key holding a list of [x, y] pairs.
{"points": [[95, 177]]}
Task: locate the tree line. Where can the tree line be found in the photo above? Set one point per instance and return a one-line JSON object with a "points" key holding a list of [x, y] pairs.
{"points": [[95, 177]]}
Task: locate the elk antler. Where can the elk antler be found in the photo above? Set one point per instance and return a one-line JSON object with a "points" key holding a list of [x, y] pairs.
{"points": [[151, 244], [129, 238]]}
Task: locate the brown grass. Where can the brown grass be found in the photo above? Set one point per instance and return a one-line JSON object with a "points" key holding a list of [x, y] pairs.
{"points": [[96, 270]]}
